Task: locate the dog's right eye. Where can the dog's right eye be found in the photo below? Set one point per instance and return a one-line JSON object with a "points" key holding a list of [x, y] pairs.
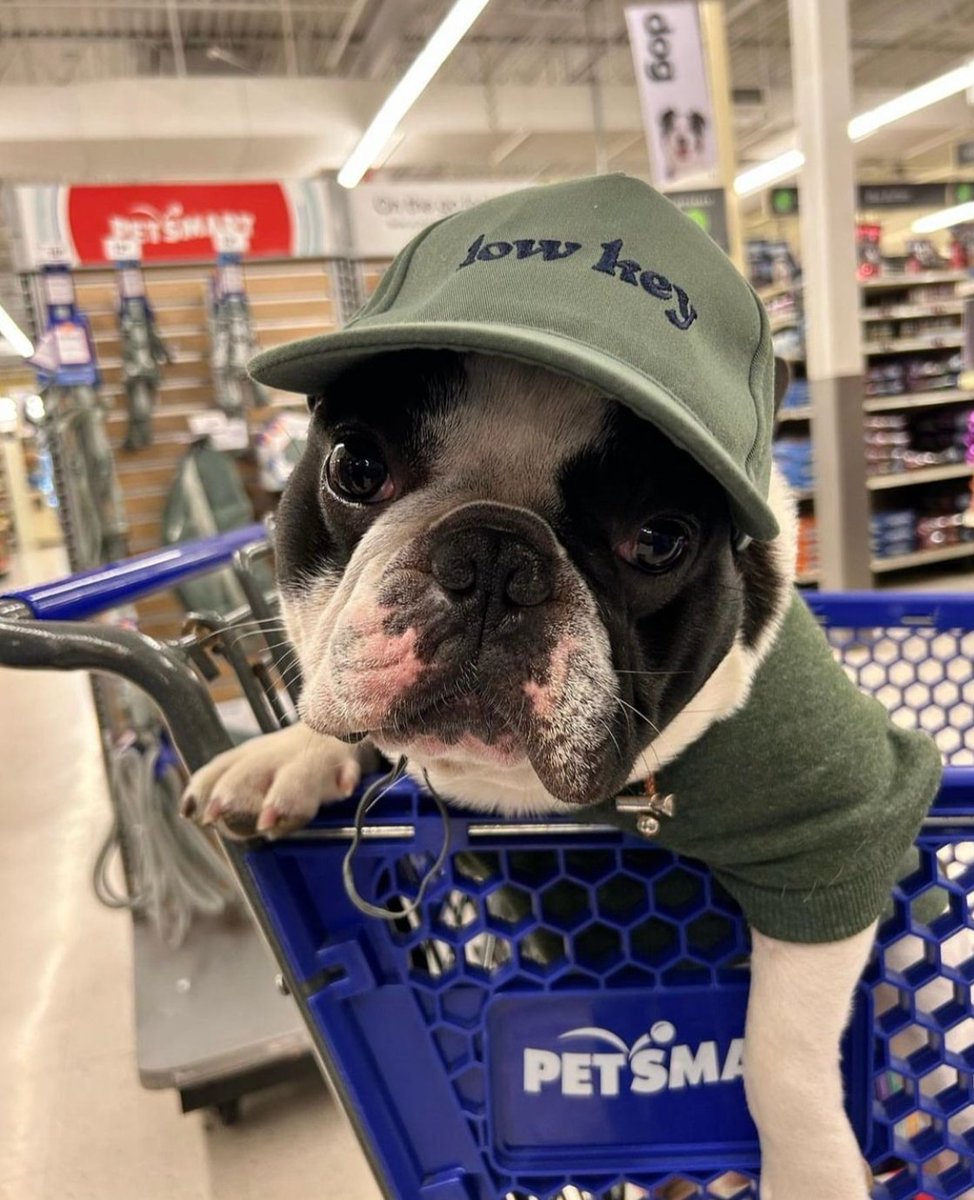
{"points": [[356, 471]]}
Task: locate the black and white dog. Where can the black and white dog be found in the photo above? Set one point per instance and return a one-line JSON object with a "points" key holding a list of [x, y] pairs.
{"points": [[682, 135], [470, 577]]}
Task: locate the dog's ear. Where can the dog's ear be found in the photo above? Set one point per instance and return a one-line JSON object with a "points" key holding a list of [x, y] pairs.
{"points": [[782, 377], [314, 401], [698, 123], [667, 119]]}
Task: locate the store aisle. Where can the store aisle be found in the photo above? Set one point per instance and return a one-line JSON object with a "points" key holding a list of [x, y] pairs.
{"points": [[74, 1121]]}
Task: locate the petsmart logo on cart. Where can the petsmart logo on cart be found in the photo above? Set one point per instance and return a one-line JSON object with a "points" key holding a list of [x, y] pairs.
{"points": [[656, 1062], [576, 1073]]}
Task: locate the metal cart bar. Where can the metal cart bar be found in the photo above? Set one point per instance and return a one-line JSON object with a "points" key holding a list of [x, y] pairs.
{"points": [[91, 592]]}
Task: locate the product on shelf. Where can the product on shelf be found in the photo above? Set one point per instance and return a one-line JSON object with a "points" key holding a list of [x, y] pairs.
{"points": [[231, 335], [893, 533], [143, 351], [71, 424], [807, 561], [789, 343], [901, 442], [921, 255], [885, 379], [868, 253], [771, 263], [797, 395], [279, 444], [793, 457]]}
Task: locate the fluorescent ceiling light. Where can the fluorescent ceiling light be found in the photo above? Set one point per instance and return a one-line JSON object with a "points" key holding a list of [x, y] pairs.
{"points": [[865, 124], [935, 90], [408, 90], [10, 330], [756, 178], [944, 219]]}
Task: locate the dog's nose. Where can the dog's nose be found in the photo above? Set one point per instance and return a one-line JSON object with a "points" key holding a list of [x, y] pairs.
{"points": [[495, 563]]}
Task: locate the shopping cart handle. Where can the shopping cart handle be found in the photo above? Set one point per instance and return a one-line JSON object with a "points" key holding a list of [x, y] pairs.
{"points": [[157, 668], [76, 597]]}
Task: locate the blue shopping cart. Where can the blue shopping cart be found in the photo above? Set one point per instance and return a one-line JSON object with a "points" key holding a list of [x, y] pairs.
{"points": [[560, 1014]]}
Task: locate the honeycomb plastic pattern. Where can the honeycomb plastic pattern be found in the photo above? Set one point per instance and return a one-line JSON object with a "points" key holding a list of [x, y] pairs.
{"points": [[559, 912]]}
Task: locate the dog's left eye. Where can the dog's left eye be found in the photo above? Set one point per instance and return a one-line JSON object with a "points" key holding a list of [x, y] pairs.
{"points": [[356, 471], [658, 546]]}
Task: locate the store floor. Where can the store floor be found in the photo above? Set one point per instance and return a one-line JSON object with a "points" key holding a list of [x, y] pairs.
{"points": [[74, 1122]]}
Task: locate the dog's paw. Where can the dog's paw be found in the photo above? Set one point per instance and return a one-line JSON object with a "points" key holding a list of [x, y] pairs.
{"points": [[274, 783]]}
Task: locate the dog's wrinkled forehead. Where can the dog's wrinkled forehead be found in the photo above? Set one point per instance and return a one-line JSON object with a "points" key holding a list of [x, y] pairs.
{"points": [[522, 426], [502, 428]]}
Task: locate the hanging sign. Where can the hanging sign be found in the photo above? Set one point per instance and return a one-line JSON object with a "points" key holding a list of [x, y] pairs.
{"points": [[901, 195], [671, 77], [708, 208], [383, 217], [783, 201], [173, 222]]}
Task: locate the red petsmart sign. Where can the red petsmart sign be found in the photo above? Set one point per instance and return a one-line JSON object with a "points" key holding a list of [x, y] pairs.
{"points": [[174, 222]]}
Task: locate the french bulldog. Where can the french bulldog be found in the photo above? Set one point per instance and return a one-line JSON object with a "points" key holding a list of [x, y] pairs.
{"points": [[537, 598]]}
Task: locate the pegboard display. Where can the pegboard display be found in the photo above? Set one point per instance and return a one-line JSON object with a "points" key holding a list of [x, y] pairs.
{"points": [[288, 300]]}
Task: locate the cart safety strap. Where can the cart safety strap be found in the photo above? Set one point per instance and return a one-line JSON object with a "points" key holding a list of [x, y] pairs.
{"points": [[372, 796]]}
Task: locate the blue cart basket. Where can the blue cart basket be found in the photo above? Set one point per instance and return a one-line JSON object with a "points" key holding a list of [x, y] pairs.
{"points": [[561, 1014]]}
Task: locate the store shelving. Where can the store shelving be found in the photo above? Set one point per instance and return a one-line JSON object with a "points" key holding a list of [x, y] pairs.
{"points": [[915, 279], [912, 345], [899, 312], [931, 399], [774, 290], [879, 483], [922, 558], [910, 308]]}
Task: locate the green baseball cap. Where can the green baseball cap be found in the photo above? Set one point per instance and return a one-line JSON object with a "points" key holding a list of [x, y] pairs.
{"points": [[601, 279]]}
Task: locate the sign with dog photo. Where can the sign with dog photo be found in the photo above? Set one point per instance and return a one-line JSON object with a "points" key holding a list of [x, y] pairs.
{"points": [[674, 94]]}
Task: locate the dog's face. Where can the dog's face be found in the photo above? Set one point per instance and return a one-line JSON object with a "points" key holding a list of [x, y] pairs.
{"points": [[506, 577], [683, 134]]}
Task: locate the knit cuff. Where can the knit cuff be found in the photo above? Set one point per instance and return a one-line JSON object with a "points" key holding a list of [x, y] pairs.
{"points": [[826, 913]]}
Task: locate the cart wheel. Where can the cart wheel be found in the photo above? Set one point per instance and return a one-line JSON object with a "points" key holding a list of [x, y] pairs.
{"points": [[229, 1111]]}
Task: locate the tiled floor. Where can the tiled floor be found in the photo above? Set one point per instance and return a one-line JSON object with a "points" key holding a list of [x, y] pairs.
{"points": [[74, 1122]]}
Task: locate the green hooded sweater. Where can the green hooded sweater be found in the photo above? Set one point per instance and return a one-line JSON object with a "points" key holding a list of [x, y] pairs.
{"points": [[805, 802]]}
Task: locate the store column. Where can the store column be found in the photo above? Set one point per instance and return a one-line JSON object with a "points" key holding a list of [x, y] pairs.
{"points": [[823, 106]]}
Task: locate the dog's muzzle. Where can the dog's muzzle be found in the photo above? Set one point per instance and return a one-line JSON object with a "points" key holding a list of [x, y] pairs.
{"points": [[493, 561]]}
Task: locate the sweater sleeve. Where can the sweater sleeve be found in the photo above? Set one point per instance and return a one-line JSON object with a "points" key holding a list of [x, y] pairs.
{"points": [[805, 802]]}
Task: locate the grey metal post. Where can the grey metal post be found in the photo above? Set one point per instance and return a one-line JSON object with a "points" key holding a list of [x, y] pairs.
{"points": [[823, 106]]}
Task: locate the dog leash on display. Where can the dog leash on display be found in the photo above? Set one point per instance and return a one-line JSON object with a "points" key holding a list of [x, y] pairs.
{"points": [[373, 794]]}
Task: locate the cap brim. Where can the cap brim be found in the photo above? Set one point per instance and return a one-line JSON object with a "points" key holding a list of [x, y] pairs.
{"points": [[308, 365]]}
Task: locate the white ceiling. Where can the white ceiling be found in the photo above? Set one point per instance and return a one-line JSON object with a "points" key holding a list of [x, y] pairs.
{"points": [[541, 44]]}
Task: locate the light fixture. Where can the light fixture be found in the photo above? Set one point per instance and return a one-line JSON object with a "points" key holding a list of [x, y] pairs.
{"points": [[862, 126], [756, 178], [931, 92], [11, 331], [408, 90], [944, 218]]}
